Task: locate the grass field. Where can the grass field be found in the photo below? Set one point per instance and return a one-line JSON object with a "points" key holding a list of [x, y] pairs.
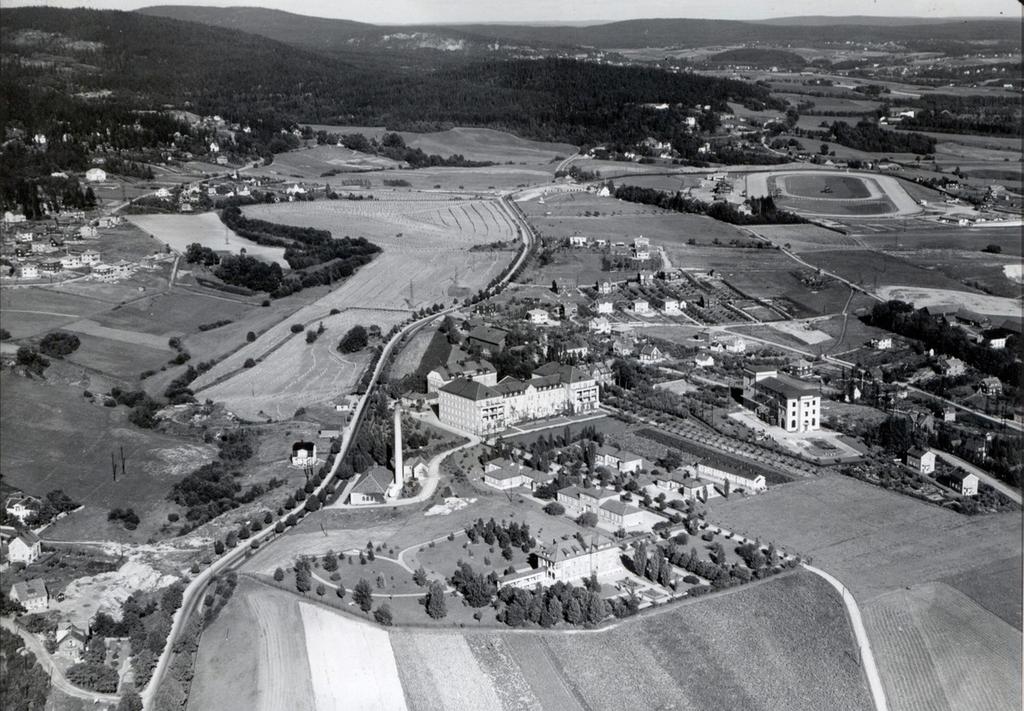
{"points": [[44, 422], [38, 310], [937, 649], [982, 303], [837, 187], [179, 231]]}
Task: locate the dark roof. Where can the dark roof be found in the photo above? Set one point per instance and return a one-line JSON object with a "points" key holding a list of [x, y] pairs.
{"points": [[788, 386], [489, 334], [303, 445], [28, 589], [470, 389], [376, 480], [916, 452], [619, 507]]}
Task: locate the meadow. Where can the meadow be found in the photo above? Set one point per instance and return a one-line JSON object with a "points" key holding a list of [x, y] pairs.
{"points": [[179, 231], [43, 422]]}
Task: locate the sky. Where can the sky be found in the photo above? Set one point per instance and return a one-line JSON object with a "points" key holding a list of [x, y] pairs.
{"points": [[574, 11]]}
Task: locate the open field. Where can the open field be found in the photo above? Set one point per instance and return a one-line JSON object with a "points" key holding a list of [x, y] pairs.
{"points": [[426, 260], [254, 656], [43, 422], [479, 144], [37, 310], [938, 649], [804, 238], [871, 539], [292, 373], [179, 231], [941, 237], [313, 162], [351, 664], [982, 303], [875, 270], [995, 585]]}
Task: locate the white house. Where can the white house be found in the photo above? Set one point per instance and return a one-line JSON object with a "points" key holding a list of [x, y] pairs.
{"points": [[21, 506], [27, 270], [303, 454], [538, 317], [600, 325], [604, 287], [578, 241], [605, 306], [670, 306], [71, 641], [373, 487], [618, 459], [640, 307], [31, 594], [71, 261], [735, 345], [697, 489], [567, 561], [505, 475], [95, 175], [881, 344], [650, 353], [920, 460], [962, 482], [619, 514], [734, 481], [704, 362], [90, 257], [782, 400], [25, 547]]}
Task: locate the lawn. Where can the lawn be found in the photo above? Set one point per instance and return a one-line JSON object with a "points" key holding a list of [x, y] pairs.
{"points": [[44, 423], [937, 649], [813, 185]]}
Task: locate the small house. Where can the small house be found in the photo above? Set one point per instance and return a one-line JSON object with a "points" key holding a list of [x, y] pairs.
{"points": [[640, 307], [600, 325], [920, 460], [31, 594], [604, 287], [578, 241], [620, 514], [964, 483], [618, 459], [538, 317], [25, 547], [605, 306], [21, 506], [991, 386], [303, 454], [372, 488], [71, 641], [650, 353]]}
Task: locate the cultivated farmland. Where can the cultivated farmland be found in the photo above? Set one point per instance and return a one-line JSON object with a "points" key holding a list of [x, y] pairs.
{"points": [[937, 649], [425, 260]]}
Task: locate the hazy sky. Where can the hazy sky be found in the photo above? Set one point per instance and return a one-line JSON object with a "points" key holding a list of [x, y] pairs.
{"points": [[449, 11]]}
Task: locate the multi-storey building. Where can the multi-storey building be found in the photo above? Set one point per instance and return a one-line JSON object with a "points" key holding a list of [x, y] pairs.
{"points": [[782, 400], [553, 389]]}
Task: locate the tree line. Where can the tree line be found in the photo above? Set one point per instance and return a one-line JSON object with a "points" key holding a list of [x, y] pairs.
{"points": [[763, 210]]}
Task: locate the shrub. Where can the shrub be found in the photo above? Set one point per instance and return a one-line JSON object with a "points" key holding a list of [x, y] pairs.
{"points": [[383, 615], [249, 363], [554, 509], [353, 341], [59, 344], [95, 677], [587, 520], [298, 328]]}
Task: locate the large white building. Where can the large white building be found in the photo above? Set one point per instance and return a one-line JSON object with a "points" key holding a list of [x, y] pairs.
{"points": [[782, 400], [568, 562], [468, 368], [553, 389]]}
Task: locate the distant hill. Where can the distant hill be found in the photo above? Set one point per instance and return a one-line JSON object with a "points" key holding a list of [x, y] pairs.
{"points": [[330, 34], [865, 21], [756, 57]]}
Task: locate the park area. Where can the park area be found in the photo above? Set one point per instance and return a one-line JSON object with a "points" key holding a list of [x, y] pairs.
{"points": [[693, 655]]}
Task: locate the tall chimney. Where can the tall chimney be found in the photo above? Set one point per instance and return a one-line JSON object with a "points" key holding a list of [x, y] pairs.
{"points": [[399, 471]]}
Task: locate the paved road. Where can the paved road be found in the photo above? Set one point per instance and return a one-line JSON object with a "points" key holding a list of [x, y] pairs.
{"points": [[57, 678], [1012, 424], [867, 658], [1001, 487]]}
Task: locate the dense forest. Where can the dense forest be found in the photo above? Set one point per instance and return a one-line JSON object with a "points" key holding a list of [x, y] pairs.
{"points": [[989, 115], [269, 85], [763, 210], [758, 57], [867, 136]]}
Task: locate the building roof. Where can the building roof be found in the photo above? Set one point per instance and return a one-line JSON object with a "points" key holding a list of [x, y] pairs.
{"points": [[622, 455], [25, 500], [694, 483], [617, 506], [506, 473], [470, 389], [960, 475], [376, 480], [489, 334], [573, 492], [917, 452], [72, 631], [303, 445], [598, 493], [29, 589], [788, 386]]}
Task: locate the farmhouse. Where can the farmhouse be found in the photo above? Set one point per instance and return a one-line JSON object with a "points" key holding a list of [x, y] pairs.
{"points": [[480, 371], [373, 487], [21, 506], [618, 459], [991, 386], [569, 561], [553, 389], [578, 241], [303, 454], [489, 340], [782, 400], [24, 547], [27, 270], [964, 483], [730, 480], [31, 594], [920, 460]]}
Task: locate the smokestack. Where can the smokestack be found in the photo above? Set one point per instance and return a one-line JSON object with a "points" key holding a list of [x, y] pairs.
{"points": [[399, 470]]}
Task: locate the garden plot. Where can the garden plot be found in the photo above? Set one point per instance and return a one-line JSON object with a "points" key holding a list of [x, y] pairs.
{"points": [[351, 664], [179, 231]]}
